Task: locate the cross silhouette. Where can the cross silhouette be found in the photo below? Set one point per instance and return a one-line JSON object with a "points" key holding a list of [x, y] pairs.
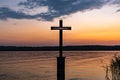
{"points": [[60, 28]]}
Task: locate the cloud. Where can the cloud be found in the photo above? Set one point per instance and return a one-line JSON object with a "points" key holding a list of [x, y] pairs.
{"points": [[8, 13], [59, 8], [118, 10], [55, 8], [117, 2]]}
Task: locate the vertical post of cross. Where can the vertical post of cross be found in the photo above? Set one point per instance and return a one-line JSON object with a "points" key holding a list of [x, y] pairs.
{"points": [[60, 59], [61, 38]]}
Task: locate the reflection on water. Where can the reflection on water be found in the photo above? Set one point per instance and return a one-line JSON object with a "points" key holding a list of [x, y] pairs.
{"points": [[38, 65]]}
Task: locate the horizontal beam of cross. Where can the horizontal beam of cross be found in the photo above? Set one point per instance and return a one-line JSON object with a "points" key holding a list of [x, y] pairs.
{"points": [[60, 28]]}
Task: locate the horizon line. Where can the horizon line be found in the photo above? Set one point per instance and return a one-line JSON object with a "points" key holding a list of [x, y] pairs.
{"points": [[53, 45]]}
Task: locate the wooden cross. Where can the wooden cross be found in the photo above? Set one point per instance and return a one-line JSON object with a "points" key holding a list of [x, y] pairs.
{"points": [[60, 28]]}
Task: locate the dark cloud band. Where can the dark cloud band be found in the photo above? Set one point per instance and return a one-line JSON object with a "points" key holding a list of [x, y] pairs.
{"points": [[56, 8]]}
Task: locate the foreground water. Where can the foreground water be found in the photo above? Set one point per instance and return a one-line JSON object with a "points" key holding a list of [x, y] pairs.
{"points": [[38, 65]]}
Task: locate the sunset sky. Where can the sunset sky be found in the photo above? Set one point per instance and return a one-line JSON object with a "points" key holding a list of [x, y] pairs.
{"points": [[28, 22]]}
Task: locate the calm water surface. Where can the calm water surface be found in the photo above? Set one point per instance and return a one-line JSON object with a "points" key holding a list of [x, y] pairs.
{"points": [[38, 65]]}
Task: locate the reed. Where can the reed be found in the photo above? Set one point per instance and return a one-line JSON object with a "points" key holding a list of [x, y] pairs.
{"points": [[113, 70]]}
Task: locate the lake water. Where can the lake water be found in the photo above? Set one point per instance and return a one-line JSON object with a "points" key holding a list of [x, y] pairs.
{"points": [[41, 65]]}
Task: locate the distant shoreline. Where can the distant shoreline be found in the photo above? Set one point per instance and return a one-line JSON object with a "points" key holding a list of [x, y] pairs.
{"points": [[65, 48]]}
